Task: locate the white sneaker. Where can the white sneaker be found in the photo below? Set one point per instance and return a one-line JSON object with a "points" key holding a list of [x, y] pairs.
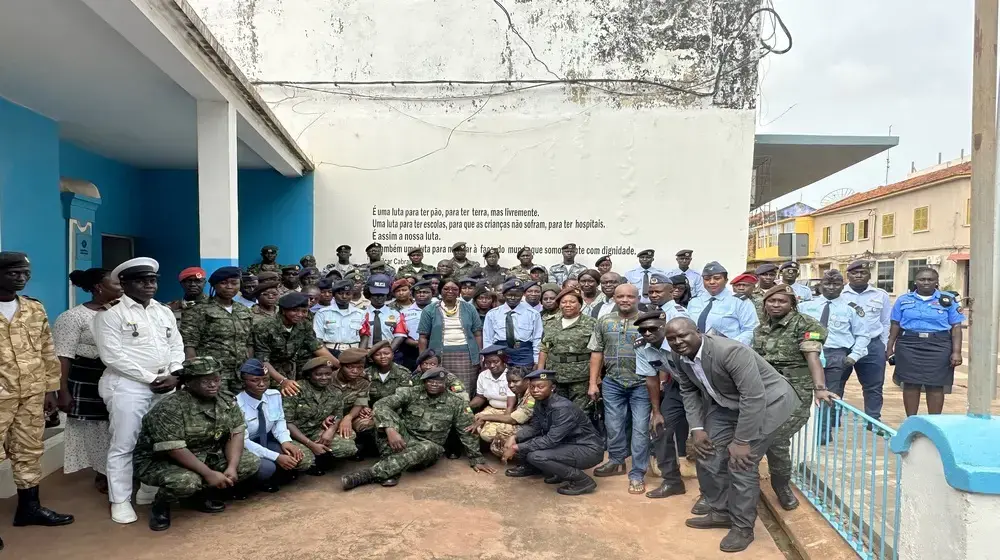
{"points": [[145, 495], [123, 513]]}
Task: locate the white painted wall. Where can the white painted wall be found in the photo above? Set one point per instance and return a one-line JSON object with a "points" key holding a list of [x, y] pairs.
{"points": [[660, 170]]}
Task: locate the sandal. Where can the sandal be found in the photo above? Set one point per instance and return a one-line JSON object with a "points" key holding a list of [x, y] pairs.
{"points": [[636, 487]]}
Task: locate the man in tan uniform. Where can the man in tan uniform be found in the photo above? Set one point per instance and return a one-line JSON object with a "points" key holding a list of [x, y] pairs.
{"points": [[29, 380]]}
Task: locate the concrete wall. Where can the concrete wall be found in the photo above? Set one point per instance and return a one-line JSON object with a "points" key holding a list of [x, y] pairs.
{"points": [[605, 170]]}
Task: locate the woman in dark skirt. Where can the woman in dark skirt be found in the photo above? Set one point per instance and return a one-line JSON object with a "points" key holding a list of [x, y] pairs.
{"points": [[451, 327], [86, 437], [925, 343]]}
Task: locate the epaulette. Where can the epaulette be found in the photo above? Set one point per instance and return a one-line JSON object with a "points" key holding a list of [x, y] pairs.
{"points": [[740, 296], [857, 309], [29, 298]]}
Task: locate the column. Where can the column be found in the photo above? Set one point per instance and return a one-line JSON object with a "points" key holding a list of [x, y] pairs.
{"points": [[218, 216], [950, 487], [80, 212]]}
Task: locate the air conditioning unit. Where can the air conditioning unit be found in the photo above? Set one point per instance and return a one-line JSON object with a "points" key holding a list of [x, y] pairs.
{"points": [[934, 260]]}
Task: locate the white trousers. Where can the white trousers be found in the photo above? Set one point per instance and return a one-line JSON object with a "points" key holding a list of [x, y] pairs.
{"points": [[127, 401]]}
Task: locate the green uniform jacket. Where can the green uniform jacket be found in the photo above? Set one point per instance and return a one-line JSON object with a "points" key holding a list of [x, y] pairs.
{"points": [[287, 350], [429, 418], [521, 272], [782, 343], [355, 393], [181, 421], [212, 331], [311, 406], [417, 271], [398, 377], [566, 350]]}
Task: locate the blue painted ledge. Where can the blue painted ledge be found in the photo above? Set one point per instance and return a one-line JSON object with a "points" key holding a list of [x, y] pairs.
{"points": [[967, 445]]}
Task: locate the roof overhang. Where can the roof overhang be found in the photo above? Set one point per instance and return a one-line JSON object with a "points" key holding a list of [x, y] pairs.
{"points": [[784, 163], [122, 78]]}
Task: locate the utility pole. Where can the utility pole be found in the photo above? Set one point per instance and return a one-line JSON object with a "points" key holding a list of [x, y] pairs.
{"points": [[984, 281], [887, 163]]}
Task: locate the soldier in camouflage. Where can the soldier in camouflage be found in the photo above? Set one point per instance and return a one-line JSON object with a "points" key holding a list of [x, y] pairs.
{"points": [[416, 268], [427, 360], [287, 341], [374, 252], [211, 329], [315, 417], [564, 348], [494, 428], [191, 443], [766, 274], [192, 280], [569, 268], [460, 265], [385, 375], [493, 273], [523, 270], [791, 342], [289, 279], [268, 261], [413, 426], [356, 388]]}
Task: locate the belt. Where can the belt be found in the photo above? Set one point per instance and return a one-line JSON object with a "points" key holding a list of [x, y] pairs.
{"points": [[571, 358], [937, 334], [339, 345]]}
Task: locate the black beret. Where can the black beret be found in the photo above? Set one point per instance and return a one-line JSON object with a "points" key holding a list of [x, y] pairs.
{"points": [[678, 279], [324, 284], [415, 250], [373, 246], [603, 259], [764, 269], [293, 300], [290, 267], [423, 284], [223, 274], [426, 355], [11, 259], [569, 246], [343, 248], [434, 373], [542, 374], [491, 251], [789, 264], [857, 265], [654, 315], [269, 248], [341, 285]]}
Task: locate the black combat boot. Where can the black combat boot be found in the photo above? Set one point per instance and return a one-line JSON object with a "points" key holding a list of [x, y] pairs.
{"points": [[553, 479], [159, 515], [390, 482], [206, 502], [783, 491], [736, 540], [30, 511], [610, 469], [359, 478], [578, 485], [522, 471]]}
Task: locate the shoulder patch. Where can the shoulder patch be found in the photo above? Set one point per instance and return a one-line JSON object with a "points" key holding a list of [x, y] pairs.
{"points": [[810, 335], [857, 309], [680, 308], [946, 301]]}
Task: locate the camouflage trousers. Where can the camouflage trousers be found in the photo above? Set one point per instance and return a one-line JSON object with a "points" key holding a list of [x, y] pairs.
{"points": [[577, 392], [340, 447], [176, 482], [22, 428], [417, 454], [363, 425], [779, 457], [496, 433]]}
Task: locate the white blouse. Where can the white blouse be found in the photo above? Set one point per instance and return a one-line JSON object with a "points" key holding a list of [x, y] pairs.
{"points": [[72, 335]]}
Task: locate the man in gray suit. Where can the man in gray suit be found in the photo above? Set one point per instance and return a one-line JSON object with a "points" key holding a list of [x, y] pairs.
{"points": [[734, 402]]}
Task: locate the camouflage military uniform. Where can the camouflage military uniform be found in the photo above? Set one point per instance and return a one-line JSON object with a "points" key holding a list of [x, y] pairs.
{"points": [[463, 270], [28, 369], [783, 342], [257, 268], [365, 270], [495, 433], [178, 306], [355, 394], [343, 269], [223, 335], [311, 407], [181, 421], [418, 271], [257, 314], [287, 350], [567, 353], [559, 273], [495, 276], [398, 377], [757, 297], [521, 272], [424, 423]]}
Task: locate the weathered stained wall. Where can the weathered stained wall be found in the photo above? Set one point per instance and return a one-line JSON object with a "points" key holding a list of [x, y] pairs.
{"points": [[624, 154]]}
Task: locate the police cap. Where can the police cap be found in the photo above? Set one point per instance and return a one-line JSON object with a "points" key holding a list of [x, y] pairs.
{"points": [[652, 315], [713, 268], [764, 269], [645, 253], [512, 284], [253, 367], [542, 374]]}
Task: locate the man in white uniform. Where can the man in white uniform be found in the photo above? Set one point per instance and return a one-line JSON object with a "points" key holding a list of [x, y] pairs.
{"points": [[141, 347]]}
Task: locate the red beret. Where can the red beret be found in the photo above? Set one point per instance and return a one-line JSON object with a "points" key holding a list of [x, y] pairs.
{"points": [[400, 283], [191, 271], [744, 278]]}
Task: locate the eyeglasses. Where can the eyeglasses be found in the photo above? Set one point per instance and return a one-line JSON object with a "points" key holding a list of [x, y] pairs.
{"points": [[644, 330]]}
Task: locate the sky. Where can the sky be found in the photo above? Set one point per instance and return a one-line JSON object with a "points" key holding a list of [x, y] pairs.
{"points": [[858, 66]]}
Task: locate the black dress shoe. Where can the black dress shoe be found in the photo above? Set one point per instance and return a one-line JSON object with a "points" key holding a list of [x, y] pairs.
{"points": [[206, 504], [452, 454], [666, 490], [609, 469], [390, 482], [701, 507], [710, 521], [240, 492], [786, 498], [521, 471], [315, 471], [269, 487], [30, 511], [577, 487], [553, 479], [159, 516], [737, 540]]}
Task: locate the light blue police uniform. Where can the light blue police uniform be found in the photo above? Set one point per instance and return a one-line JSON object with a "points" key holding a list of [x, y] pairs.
{"points": [[527, 329], [803, 293], [337, 328], [925, 316], [870, 369], [694, 279], [923, 347], [845, 329], [730, 316], [636, 275]]}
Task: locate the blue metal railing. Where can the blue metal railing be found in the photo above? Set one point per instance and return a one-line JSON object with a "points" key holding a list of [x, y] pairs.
{"points": [[842, 464]]}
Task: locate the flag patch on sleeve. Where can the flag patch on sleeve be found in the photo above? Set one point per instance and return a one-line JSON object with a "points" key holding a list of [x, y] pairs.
{"points": [[812, 336]]}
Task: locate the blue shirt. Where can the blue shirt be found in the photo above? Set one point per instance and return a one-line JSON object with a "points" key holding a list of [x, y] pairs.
{"points": [[635, 277], [914, 314], [845, 329], [875, 303], [412, 313], [673, 310], [274, 417], [731, 316], [803, 293], [334, 325], [695, 279], [389, 318], [527, 326], [649, 360]]}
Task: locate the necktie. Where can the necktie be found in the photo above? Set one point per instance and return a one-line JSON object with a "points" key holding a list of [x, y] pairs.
{"points": [[824, 317], [703, 318], [645, 283], [511, 339], [261, 425], [377, 329]]}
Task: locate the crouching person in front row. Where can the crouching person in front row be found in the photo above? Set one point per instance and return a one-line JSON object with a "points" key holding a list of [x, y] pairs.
{"points": [[315, 417], [191, 445], [413, 425], [267, 434]]}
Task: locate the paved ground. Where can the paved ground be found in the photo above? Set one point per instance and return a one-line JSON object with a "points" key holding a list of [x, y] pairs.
{"points": [[447, 512]]}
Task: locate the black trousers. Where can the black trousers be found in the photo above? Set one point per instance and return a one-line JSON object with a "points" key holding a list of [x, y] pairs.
{"points": [[566, 461], [671, 440]]}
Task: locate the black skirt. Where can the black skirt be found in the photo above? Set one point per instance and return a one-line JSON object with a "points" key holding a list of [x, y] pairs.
{"points": [[924, 362], [84, 374]]}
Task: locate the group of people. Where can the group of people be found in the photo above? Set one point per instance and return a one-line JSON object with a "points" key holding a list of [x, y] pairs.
{"points": [[283, 370]]}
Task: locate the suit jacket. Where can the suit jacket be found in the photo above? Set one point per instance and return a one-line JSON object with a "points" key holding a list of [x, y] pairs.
{"points": [[743, 380]]}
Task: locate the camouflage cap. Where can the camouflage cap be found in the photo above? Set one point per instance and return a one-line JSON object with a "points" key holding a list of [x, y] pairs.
{"points": [[317, 362], [780, 289], [352, 356], [200, 366]]}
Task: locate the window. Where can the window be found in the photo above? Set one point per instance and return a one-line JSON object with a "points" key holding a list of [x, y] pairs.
{"points": [[788, 227], [826, 235], [920, 218], [863, 228], [847, 232], [968, 211], [885, 275], [888, 225], [912, 266]]}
